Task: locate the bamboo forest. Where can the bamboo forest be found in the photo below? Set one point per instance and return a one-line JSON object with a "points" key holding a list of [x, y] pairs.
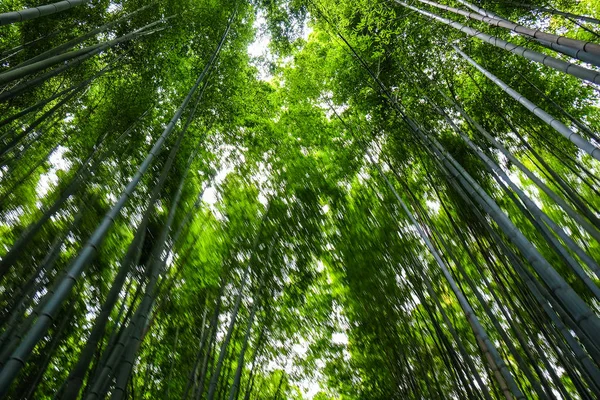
{"points": [[299, 199]]}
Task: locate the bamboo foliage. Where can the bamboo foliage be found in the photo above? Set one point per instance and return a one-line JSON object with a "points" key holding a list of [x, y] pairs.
{"points": [[377, 207]]}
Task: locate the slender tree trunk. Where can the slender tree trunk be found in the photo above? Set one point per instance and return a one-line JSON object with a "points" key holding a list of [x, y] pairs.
{"points": [[240, 365], [85, 53], [76, 86], [556, 12], [580, 124], [204, 348], [571, 52], [10, 188], [89, 250], [56, 339], [41, 11], [80, 39], [131, 259], [173, 355], [119, 329], [34, 285], [569, 68], [541, 114], [224, 380], [577, 45], [205, 364], [78, 180], [250, 383], [214, 380], [279, 387], [455, 336], [12, 144], [15, 50]]}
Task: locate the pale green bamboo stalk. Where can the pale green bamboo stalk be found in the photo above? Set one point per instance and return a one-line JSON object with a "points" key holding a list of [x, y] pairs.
{"points": [[578, 45], [77, 266], [569, 68], [20, 72], [80, 39], [537, 111], [552, 11], [41, 11]]}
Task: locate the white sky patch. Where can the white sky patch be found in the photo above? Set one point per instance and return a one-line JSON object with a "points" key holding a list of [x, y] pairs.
{"points": [[262, 39], [433, 205], [12, 217], [306, 30], [259, 48], [320, 266], [113, 8], [262, 179], [210, 194], [340, 338], [50, 178], [231, 156], [339, 109], [259, 51], [308, 387]]}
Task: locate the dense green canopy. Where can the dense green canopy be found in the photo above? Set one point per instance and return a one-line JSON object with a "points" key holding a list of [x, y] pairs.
{"points": [[220, 199]]}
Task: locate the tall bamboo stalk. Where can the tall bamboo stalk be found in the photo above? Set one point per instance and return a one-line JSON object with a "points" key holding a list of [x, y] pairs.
{"points": [[568, 68], [41, 11], [89, 250], [577, 45]]}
